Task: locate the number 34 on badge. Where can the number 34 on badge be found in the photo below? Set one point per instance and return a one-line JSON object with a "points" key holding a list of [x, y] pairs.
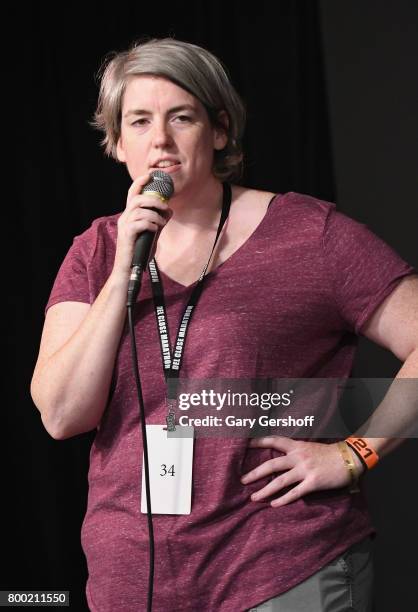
{"points": [[165, 471]]}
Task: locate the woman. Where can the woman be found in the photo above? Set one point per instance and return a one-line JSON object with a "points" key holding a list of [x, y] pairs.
{"points": [[283, 297]]}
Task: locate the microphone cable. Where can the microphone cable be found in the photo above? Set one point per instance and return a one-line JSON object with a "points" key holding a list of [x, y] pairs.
{"points": [[146, 463]]}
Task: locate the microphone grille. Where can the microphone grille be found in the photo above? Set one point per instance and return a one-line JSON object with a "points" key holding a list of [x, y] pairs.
{"points": [[161, 182]]}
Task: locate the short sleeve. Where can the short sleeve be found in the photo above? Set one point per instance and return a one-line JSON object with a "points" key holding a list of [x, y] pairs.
{"points": [[363, 268], [72, 281]]}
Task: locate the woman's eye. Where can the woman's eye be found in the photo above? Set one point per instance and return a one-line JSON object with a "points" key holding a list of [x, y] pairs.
{"points": [[179, 118]]}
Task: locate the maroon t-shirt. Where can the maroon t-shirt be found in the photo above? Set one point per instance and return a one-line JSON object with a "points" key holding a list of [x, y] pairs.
{"points": [[287, 304]]}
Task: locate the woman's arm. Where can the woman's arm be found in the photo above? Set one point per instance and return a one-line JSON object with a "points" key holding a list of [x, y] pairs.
{"points": [[317, 466], [72, 377], [394, 325], [71, 381]]}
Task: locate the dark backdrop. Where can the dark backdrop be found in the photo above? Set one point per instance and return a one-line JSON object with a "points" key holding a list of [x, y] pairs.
{"points": [[331, 98]]}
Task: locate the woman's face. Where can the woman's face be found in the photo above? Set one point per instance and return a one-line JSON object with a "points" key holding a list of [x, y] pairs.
{"points": [[163, 126]]}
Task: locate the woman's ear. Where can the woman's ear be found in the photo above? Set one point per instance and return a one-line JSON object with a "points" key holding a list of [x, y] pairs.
{"points": [[220, 134], [119, 151]]}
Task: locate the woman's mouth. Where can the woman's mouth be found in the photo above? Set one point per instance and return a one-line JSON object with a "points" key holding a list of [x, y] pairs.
{"points": [[168, 167]]}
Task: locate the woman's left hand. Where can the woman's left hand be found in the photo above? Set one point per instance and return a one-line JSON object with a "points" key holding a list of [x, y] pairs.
{"points": [[314, 465]]}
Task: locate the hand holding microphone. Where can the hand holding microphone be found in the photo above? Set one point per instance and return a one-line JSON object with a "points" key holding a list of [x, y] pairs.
{"points": [[146, 213]]}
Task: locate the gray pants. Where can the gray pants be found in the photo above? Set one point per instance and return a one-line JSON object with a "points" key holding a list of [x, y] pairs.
{"points": [[344, 584]]}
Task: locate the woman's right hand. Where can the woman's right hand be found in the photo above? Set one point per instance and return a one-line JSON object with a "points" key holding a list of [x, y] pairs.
{"points": [[137, 217]]}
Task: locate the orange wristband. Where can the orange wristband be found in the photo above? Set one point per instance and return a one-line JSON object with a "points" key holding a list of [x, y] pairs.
{"points": [[363, 450]]}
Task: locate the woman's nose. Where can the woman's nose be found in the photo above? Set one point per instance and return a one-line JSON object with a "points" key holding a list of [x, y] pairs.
{"points": [[161, 135]]}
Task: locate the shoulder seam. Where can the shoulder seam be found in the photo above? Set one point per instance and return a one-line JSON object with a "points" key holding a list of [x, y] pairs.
{"points": [[326, 269], [96, 224]]}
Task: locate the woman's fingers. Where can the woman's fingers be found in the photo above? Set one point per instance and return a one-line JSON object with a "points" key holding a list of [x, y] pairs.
{"points": [[294, 494], [134, 223], [277, 464], [146, 201], [279, 483], [137, 185], [277, 442], [136, 198], [140, 214]]}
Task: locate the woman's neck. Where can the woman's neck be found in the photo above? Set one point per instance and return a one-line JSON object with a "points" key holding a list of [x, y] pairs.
{"points": [[184, 244], [195, 211]]}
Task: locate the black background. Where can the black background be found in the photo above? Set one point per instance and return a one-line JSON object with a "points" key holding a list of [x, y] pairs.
{"points": [[331, 93]]}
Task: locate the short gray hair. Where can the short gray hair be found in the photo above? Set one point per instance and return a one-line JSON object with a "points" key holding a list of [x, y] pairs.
{"points": [[191, 67]]}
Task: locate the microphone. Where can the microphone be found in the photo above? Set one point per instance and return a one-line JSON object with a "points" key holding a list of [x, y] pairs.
{"points": [[161, 185]]}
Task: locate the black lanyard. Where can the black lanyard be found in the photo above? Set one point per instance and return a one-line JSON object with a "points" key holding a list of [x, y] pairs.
{"points": [[172, 363]]}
